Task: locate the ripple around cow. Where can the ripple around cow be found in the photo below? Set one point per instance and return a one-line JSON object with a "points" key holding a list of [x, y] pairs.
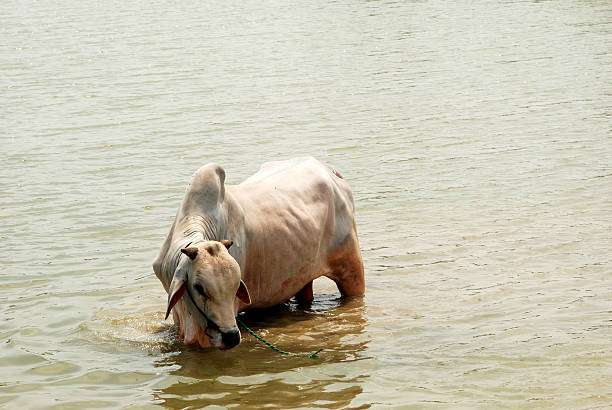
{"points": [[476, 141]]}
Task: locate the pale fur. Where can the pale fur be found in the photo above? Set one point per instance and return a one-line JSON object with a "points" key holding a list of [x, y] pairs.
{"points": [[290, 223]]}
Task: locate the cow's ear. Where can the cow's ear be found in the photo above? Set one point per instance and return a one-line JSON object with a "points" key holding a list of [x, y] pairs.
{"points": [[177, 286], [177, 289], [243, 294], [227, 243], [192, 252]]}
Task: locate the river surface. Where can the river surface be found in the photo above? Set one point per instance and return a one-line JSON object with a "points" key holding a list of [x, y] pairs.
{"points": [[475, 136]]}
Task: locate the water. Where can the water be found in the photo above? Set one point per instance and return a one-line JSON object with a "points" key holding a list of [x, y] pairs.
{"points": [[475, 136]]}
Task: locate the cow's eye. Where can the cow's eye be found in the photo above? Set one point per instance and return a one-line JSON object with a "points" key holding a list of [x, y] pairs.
{"points": [[200, 290]]}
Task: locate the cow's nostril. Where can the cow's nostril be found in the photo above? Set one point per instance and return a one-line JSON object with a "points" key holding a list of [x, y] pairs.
{"points": [[230, 339]]}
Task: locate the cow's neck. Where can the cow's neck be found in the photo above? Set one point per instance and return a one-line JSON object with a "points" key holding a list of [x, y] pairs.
{"points": [[190, 229], [197, 228]]}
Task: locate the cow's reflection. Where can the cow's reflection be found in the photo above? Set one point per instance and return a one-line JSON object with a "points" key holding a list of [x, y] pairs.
{"points": [[255, 375]]}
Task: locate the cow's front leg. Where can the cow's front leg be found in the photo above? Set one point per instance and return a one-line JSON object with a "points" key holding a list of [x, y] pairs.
{"points": [[305, 294]]}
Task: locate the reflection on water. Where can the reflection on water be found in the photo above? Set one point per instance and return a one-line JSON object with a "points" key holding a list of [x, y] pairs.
{"points": [[303, 390], [253, 374]]}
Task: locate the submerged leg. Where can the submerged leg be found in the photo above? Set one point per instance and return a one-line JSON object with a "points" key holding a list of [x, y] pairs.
{"points": [[305, 294]]}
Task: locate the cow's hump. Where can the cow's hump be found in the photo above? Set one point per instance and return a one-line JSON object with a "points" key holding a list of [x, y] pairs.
{"points": [[205, 190]]}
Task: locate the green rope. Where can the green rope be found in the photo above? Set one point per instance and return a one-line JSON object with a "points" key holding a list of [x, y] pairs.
{"points": [[270, 345]]}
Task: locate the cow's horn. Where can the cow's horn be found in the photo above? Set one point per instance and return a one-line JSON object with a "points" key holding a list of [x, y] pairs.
{"points": [[192, 252]]}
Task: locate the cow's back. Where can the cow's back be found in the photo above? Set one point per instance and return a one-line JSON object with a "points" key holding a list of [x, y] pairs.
{"points": [[297, 213]]}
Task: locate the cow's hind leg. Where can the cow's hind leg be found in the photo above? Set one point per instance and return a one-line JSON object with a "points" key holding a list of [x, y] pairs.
{"points": [[346, 268]]}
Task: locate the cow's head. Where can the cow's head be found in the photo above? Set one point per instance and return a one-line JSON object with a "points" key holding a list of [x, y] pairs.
{"points": [[208, 281]]}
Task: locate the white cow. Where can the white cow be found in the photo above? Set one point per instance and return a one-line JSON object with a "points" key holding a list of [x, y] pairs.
{"points": [[256, 245]]}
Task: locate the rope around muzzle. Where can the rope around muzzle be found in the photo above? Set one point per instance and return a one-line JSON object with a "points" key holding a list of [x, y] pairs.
{"points": [[276, 349]]}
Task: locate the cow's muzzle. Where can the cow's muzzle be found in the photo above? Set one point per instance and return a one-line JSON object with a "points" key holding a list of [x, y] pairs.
{"points": [[223, 339], [230, 339]]}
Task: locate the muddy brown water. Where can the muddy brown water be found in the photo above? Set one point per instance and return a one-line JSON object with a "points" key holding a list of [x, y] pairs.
{"points": [[476, 138]]}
